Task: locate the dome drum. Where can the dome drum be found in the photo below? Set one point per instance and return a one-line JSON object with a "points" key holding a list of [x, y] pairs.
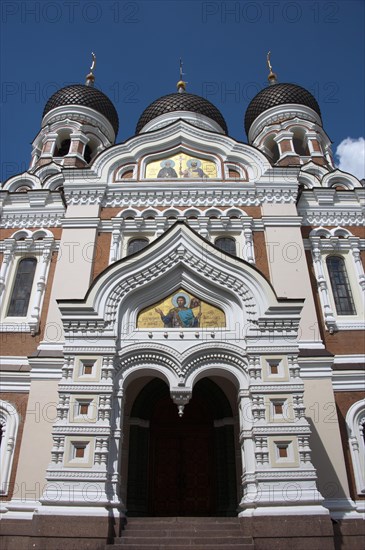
{"points": [[276, 116]]}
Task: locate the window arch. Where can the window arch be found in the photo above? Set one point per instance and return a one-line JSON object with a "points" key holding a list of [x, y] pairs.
{"points": [[340, 285], [135, 245], [20, 296], [9, 422], [227, 244], [355, 421]]}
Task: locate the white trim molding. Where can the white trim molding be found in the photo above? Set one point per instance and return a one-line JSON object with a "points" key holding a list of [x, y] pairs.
{"points": [[355, 422], [341, 242], [25, 243], [9, 421]]}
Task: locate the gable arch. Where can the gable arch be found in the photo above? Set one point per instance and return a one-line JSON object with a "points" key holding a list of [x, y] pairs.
{"points": [[22, 180], [338, 177], [180, 258]]}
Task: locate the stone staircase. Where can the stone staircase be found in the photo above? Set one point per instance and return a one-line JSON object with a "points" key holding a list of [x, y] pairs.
{"points": [[182, 533]]}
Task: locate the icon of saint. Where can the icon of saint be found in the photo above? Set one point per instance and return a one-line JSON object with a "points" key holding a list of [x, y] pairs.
{"points": [[181, 315], [193, 170], [167, 169]]}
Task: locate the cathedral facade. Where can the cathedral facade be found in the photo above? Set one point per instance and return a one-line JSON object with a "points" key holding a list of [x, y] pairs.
{"points": [[182, 325]]}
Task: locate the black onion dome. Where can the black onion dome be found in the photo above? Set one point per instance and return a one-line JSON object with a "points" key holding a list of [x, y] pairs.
{"points": [[181, 102], [87, 96], [278, 94]]}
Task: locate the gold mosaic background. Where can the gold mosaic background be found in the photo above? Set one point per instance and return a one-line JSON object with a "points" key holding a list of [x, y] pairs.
{"points": [[181, 168], [212, 317]]}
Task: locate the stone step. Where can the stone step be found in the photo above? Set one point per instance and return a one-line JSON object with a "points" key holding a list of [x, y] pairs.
{"points": [[189, 523], [186, 530], [181, 541], [163, 546], [182, 533]]}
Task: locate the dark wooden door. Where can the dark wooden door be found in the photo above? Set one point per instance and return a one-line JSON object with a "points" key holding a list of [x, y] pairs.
{"points": [[181, 460]]}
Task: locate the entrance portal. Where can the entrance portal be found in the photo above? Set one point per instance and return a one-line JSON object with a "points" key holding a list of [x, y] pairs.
{"points": [[181, 466]]}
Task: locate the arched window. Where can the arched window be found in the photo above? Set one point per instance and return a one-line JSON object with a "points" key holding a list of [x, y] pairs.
{"points": [[9, 421], [20, 296], [135, 245], [227, 244], [87, 154], [63, 149], [340, 286], [300, 143]]}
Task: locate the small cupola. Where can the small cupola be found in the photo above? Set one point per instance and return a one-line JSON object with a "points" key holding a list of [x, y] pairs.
{"points": [[78, 122], [284, 121]]}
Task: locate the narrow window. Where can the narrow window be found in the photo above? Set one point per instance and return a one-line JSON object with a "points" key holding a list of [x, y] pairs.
{"points": [[272, 149], [340, 286], [135, 245], [22, 289], [87, 154], [63, 149], [227, 244], [300, 143]]}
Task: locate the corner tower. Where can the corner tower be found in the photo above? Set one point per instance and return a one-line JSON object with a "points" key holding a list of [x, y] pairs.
{"points": [[284, 121], [79, 121]]}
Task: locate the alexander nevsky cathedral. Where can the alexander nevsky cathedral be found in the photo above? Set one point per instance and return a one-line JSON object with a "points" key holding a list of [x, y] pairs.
{"points": [[182, 330]]}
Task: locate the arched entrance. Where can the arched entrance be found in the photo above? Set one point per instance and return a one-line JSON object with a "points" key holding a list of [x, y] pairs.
{"points": [[181, 466]]}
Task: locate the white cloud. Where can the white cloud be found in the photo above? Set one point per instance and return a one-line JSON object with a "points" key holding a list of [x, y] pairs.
{"points": [[351, 156]]}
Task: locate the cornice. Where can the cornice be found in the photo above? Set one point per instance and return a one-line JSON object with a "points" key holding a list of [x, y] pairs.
{"points": [[74, 223], [81, 114], [28, 219], [215, 193], [323, 206], [349, 380], [15, 382], [281, 113]]}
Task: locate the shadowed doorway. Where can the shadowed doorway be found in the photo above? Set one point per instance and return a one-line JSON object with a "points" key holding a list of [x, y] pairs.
{"points": [[181, 466]]}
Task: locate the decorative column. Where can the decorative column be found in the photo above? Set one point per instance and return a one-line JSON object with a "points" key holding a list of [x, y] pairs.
{"points": [[7, 261], [41, 285], [315, 148], [329, 317], [249, 482], [116, 239], [355, 249], [284, 140], [249, 249]]}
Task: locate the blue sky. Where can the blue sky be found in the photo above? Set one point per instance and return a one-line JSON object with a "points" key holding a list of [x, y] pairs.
{"points": [[45, 45]]}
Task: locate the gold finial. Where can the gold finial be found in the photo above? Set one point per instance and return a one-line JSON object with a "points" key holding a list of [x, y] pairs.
{"points": [[181, 85], [90, 78], [272, 76]]}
